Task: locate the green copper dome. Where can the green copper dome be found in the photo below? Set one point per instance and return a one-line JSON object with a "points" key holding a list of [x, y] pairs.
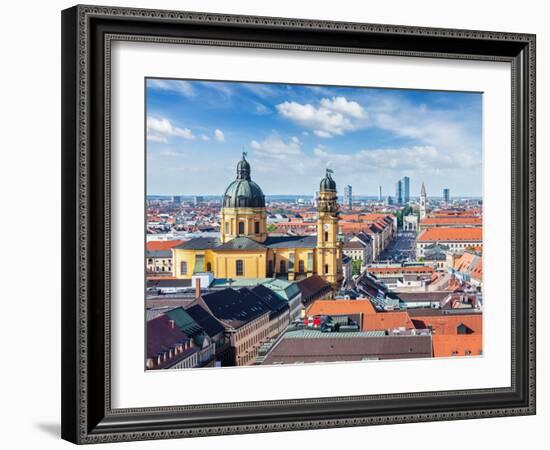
{"points": [[243, 192], [327, 183]]}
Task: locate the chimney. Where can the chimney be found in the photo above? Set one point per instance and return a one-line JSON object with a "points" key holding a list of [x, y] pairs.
{"points": [[197, 287]]}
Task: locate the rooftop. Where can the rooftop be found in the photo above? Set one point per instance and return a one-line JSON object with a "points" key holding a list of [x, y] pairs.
{"points": [[163, 245], [340, 307], [451, 234], [450, 220], [235, 307], [245, 243], [317, 334], [457, 345]]}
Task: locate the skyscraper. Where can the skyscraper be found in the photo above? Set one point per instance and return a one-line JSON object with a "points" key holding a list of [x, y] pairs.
{"points": [[399, 192], [348, 200], [447, 195], [406, 189]]}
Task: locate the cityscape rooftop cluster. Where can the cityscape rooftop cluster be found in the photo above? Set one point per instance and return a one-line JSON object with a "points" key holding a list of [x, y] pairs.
{"points": [[244, 279]]}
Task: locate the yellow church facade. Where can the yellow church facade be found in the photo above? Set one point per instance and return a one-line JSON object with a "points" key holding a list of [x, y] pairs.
{"points": [[244, 248]]}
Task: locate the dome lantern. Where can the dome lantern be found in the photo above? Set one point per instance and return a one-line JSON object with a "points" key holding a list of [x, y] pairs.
{"points": [[243, 169], [243, 192], [327, 183]]}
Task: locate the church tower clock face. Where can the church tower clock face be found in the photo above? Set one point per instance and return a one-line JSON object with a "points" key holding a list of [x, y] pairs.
{"points": [[326, 226]]}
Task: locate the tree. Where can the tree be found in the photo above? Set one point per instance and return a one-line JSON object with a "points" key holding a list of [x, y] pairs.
{"points": [[407, 210], [356, 265]]}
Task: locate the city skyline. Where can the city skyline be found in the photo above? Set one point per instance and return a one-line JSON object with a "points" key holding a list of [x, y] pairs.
{"points": [[368, 136]]}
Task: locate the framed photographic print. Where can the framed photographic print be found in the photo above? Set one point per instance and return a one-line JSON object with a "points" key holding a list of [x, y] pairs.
{"points": [[281, 224]]}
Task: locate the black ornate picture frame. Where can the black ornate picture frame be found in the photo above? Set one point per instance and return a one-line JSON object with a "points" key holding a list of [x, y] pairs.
{"points": [[87, 34]]}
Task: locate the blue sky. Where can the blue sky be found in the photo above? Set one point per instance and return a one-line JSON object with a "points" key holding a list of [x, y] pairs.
{"points": [[196, 132]]}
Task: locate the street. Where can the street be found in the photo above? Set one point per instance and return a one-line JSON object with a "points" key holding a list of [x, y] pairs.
{"points": [[401, 249]]}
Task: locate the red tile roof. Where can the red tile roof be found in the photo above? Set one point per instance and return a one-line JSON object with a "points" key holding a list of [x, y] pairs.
{"points": [[471, 264], [371, 320], [340, 307], [450, 220], [387, 321], [163, 245], [459, 345], [451, 234], [447, 324]]}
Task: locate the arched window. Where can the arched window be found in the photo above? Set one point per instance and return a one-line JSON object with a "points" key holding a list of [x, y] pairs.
{"points": [[241, 227], [326, 236], [326, 268], [209, 267], [282, 267], [301, 267], [239, 267], [257, 227]]}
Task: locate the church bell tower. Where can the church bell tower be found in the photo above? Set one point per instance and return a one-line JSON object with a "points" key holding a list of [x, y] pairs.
{"points": [[423, 201], [329, 248]]}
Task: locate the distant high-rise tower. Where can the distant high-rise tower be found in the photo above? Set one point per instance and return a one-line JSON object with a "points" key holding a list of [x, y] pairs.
{"points": [[399, 192], [447, 195], [423, 201], [379, 192], [406, 189], [348, 199]]}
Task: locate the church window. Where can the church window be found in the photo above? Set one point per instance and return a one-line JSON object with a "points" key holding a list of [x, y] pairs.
{"points": [[291, 262], [183, 268], [326, 268], [326, 236], [239, 267], [241, 227], [301, 266], [209, 267], [257, 227]]}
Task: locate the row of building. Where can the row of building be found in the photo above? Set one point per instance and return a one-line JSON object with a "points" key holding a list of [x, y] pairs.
{"points": [[223, 323], [281, 322]]}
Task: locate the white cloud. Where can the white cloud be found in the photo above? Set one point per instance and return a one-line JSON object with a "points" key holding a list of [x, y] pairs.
{"points": [[180, 86], [222, 88], [274, 147], [414, 159], [156, 138], [261, 90], [219, 136], [334, 116], [204, 137], [160, 128], [261, 109]]}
